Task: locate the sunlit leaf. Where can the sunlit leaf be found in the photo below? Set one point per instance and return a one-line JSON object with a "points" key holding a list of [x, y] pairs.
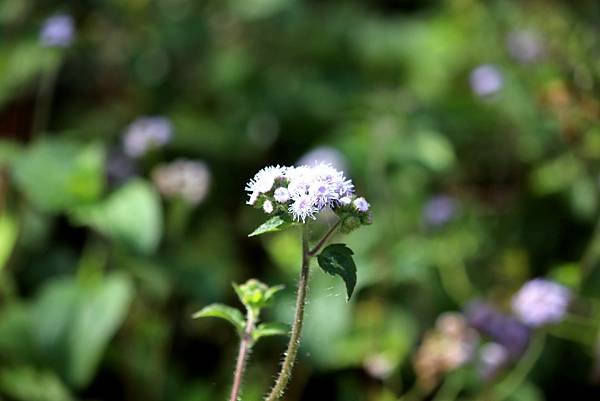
{"points": [[274, 224], [8, 237], [269, 329], [232, 315]]}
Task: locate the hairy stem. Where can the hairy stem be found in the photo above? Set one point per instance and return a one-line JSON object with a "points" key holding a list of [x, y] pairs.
{"points": [[292, 349], [244, 351]]}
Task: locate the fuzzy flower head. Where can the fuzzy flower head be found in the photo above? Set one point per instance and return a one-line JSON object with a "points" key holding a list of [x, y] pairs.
{"points": [[57, 31], [145, 134], [301, 192], [541, 302], [263, 182]]}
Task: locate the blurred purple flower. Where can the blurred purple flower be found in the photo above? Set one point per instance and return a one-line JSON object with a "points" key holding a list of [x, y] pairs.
{"points": [[439, 210], [146, 133], [57, 31], [486, 80], [540, 302], [492, 358], [324, 154], [503, 329], [525, 46]]}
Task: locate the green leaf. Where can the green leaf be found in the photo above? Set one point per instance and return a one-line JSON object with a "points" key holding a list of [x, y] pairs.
{"points": [[101, 310], [25, 383], [232, 315], [57, 175], [74, 321], [274, 224], [132, 215], [337, 260], [269, 329]]}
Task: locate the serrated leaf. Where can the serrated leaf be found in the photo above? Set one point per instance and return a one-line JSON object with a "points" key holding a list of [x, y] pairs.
{"points": [[232, 315], [336, 259], [269, 329], [274, 224]]}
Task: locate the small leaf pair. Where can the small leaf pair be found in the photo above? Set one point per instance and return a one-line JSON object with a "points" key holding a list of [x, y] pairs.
{"points": [[255, 296]]}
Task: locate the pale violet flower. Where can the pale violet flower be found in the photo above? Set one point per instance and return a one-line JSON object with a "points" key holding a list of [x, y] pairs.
{"points": [[345, 200], [525, 46], [326, 155], [268, 207], [361, 204], [303, 207], [540, 302], [146, 133], [57, 31], [486, 80], [439, 210], [281, 195], [304, 191]]}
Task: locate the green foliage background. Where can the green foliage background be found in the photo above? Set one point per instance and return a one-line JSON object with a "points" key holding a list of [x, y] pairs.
{"points": [[98, 282]]}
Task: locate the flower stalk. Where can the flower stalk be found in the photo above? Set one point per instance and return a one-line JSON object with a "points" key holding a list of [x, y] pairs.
{"points": [[246, 343], [292, 349]]}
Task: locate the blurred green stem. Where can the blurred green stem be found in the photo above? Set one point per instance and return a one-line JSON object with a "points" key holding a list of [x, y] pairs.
{"points": [[450, 388], [44, 100], [243, 353], [292, 349], [517, 376]]}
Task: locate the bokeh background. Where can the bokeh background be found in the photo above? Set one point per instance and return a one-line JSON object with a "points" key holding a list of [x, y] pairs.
{"points": [[129, 128]]}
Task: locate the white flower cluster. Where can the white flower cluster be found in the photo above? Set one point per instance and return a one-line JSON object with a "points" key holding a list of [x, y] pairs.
{"points": [[303, 191]]}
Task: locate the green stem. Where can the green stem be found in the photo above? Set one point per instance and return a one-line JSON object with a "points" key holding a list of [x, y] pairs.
{"points": [[292, 349], [242, 358], [518, 375]]}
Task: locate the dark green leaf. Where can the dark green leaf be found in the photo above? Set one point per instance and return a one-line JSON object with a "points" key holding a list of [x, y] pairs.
{"points": [[269, 329], [275, 223], [337, 260], [221, 311]]}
